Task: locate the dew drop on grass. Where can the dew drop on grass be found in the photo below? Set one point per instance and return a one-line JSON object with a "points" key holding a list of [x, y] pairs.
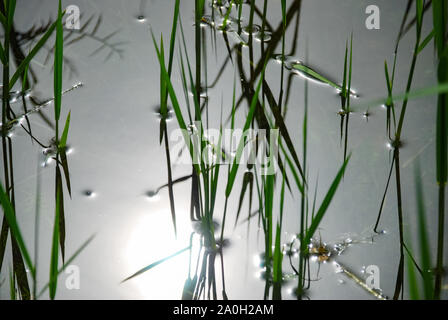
{"points": [[202, 92], [265, 37], [158, 113], [255, 29], [225, 243]]}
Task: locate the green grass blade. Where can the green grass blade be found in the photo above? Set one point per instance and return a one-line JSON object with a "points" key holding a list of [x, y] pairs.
{"points": [[31, 55], [313, 74], [277, 270], [425, 42], [2, 55], [412, 94], [63, 141], [440, 16], [58, 61], [53, 278], [412, 278], [13, 226], [12, 286], [152, 265], [234, 168], [67, 263], [325, 204], [3, 20]]}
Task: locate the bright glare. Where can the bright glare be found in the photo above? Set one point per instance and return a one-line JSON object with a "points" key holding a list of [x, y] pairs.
{"points": [[151, 240]]}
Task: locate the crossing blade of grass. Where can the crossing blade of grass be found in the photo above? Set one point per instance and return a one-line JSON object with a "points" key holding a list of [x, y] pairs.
{"points": [[152, 265], [324, 206]]}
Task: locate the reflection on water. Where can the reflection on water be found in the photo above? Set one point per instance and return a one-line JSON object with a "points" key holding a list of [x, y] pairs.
{"points": [[120, 164]]}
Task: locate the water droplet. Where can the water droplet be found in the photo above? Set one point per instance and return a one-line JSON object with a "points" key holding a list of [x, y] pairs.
{"points": [[89, 193], [255, 29], [141, 18], [260, 260], [202, 92], [363, 269], [225, 243], [15, 96], [341, 281], [220, 4], [265, 36], [169, 115], [394, 144], [337, 267], [207, 20], [11, 126], [152, 195]]}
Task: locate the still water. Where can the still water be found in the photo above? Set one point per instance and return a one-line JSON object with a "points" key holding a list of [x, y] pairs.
{"points": [[117, 164]]}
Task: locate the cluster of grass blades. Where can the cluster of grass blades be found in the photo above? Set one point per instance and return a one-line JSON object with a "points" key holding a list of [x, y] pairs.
{"points": [[432, 287], [264, 112], [21, 256]]}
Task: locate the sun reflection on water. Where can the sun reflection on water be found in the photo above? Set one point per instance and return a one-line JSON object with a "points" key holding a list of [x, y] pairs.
{"points": [[152, 239]]}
